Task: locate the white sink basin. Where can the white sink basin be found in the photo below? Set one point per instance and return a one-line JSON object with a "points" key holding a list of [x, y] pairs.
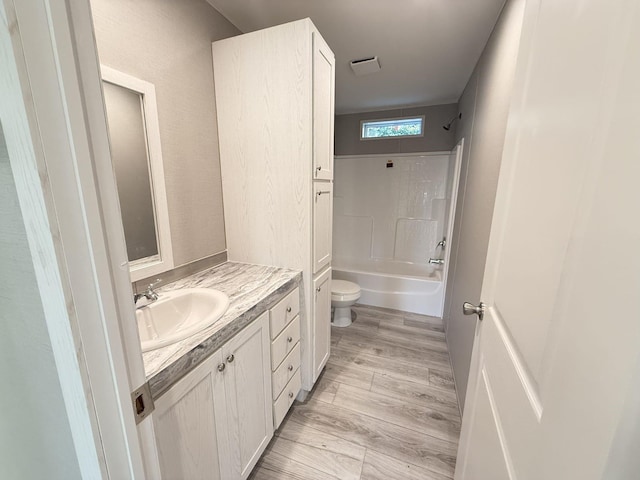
{"points": [[179, 314]]}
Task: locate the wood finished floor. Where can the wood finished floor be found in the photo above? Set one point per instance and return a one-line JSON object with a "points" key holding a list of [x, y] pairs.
{"points": [[384, 408]]}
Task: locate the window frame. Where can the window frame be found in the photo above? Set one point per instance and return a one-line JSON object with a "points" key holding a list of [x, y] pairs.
{"points": [[408, 117]]}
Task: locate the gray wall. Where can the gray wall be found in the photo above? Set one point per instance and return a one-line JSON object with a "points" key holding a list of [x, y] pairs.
{"points": [[436, 139], [484, 106], [35, 437], [168, 43]]}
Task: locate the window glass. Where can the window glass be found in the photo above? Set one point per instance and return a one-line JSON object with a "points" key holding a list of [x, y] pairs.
{"points": [[394, 127]]}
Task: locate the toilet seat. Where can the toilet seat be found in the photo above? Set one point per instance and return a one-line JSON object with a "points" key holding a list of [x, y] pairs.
{"points": [[344, 291]]}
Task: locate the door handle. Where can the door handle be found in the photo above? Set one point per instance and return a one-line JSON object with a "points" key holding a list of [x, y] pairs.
{"points": [[471, 309]]}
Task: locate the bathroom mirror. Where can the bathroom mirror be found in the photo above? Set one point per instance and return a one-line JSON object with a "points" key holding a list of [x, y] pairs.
{"points": [[134, 138]]}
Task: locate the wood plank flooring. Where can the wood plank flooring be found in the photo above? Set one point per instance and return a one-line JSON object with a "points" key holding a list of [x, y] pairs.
{"points": [[383, 409]]}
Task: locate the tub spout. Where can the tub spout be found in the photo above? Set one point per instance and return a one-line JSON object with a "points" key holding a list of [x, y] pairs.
{"points": [[436, 261]]}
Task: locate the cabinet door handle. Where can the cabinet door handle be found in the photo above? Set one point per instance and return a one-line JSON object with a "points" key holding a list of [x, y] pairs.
{"points": [[221, 367], [318, 289], [291, 368], [231, 358], [290, 394], [321, 192], [318, 168], [289, 339], [288, 309]]}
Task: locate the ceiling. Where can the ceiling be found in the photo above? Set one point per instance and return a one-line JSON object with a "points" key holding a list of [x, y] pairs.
{"points": [[427, 48]]}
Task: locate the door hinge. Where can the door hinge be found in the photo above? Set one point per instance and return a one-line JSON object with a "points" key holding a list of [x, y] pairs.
{"points": [[142, 402]]}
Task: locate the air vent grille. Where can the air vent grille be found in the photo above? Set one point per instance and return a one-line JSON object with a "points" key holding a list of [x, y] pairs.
{"points": [[365, 66]]}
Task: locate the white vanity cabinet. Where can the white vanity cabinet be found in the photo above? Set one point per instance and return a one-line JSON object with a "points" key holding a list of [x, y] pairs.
{"points": [[185, 424], [322, 225], [275, 105], [216, 422], [323, 108], [247, 394], [285, 354], [322, 331]]}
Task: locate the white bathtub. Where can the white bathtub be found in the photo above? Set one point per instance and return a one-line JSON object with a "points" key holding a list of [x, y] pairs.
{"points": [[391, 284]]}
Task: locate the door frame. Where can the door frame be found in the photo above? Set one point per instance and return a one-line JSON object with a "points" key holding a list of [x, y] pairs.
{"points": [[455, 186], [56, 134]]}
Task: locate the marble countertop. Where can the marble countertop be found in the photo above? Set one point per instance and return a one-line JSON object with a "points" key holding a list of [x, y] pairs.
{"points": [[252, 289]]}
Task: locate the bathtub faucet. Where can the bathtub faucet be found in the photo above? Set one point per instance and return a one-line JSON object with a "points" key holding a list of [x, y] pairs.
{"points": [[436, 261], [442, 243]]}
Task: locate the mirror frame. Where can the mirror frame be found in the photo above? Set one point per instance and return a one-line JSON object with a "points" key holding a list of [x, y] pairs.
{"points": [[163, 261]]}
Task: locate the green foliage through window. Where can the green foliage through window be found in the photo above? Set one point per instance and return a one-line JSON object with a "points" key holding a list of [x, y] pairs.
{"points": [[397, 127]]}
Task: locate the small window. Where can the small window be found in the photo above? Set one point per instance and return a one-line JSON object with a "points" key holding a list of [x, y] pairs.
{"points": [[392, 128]]}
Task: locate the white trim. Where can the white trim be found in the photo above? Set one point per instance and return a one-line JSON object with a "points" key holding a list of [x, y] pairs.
{"points": [[379, 120], [58, 162], [122, 79], [385, 155], [502, 438], [90, 78], [162, 262], [527, 380], [452, 215], [25, 156]]}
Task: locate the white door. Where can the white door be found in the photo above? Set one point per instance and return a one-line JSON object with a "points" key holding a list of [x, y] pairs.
{"points": [[321, 322], [247, 394], [555, 355], [323, 106], [185, 424], [322, 224]]}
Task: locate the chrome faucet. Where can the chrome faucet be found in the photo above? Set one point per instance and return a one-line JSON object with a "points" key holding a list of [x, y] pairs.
{"points": [[149, 295], [442, 243], [436, 261]]}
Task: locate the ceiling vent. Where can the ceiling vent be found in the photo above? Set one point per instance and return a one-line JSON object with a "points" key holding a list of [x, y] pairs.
{"points": [[365, 66]]}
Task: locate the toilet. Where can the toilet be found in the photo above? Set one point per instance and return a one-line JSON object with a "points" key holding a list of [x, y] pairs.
{"points": [[343, 295]]}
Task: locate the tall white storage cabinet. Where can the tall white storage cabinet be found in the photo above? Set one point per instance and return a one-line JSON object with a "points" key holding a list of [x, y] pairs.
{"points": [[275, 105]]}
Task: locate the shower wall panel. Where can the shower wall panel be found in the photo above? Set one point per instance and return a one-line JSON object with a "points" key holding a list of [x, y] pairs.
{"points": [[395, 213]]}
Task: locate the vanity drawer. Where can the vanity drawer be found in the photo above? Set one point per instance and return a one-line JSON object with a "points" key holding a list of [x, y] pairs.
{"points": [[285, 400], [284, 343], [285, 372], [283, 312]]}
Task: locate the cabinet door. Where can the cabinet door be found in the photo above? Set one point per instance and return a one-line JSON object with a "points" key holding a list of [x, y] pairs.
{"points": [[186, 425], [247, 387], [323, 108], [322, 224], [321, 322]]}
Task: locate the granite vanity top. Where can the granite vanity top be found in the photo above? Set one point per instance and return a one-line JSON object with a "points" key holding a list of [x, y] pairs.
{"points": [[252, 289]]}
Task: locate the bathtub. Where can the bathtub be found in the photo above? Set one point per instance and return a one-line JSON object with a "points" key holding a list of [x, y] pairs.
{"points": [[392, 284]]}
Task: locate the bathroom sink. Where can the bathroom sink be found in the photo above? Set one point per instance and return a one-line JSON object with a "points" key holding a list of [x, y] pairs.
{"points": [[179, 314]]}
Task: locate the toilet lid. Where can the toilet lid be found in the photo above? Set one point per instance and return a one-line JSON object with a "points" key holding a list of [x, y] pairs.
{"points": [[342, 287]]}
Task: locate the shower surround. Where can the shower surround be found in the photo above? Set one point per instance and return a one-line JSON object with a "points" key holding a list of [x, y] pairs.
{"points": [[390, 212]]}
